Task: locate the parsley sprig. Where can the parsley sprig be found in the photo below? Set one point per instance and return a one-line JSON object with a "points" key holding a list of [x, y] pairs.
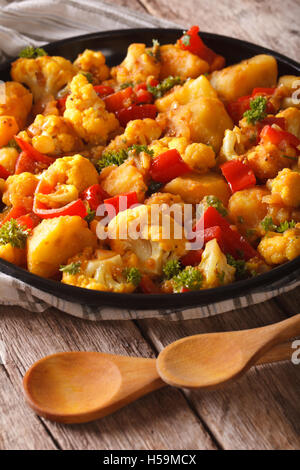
{"points": [[257, 111], [132, 275], [159, 90], [190, 278], [31, 52], [155, 50], [172, 268], [13, 233], [118, 157], [72, 268], [269, 226]]}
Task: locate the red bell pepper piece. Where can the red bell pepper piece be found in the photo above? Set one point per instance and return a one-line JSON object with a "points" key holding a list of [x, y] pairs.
{"points": [[279, 137], [239, 175], [32, 152], [143, 96], [25, 163], [120, 203], [136, 112], [14, 213], [192, 42], [167, 166], [148, 286], [103, 90], [120, 99], [269, 120], [237, 108], [192, 258], [73, 208], [230, 241], [61, 104], [30, 220], [94, 195], [263, 92], [4, 173]]}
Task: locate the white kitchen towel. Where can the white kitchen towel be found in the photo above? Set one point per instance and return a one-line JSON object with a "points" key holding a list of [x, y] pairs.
{"points": [[37, 22]]}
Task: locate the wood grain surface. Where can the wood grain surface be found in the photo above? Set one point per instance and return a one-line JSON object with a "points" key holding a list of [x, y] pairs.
{"points": [[260, 411]]}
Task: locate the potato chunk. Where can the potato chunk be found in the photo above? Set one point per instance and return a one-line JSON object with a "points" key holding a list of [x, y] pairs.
{"points": [[13, 255], [240, 79], [56, 240], [8, 158], [177, 62], [17, 103], [8, 128], [190, 91], [203, 120], [192, 187]]}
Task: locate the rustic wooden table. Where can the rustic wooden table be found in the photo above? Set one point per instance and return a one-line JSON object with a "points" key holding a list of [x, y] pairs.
{"points": [[261, 411]]}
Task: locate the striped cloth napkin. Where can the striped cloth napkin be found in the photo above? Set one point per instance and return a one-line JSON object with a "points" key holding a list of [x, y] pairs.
{"points": [[36, 22]]}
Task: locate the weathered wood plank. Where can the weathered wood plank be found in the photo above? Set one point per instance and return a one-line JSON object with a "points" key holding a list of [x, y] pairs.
{"points": [[145, 424], [269, 23], [260, 411]]}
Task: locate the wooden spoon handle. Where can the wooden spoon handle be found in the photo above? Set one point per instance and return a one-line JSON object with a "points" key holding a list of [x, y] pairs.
{"points": [[281, 352]]}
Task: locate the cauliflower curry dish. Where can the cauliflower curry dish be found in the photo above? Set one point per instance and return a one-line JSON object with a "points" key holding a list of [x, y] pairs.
{"points": [[170, 126]]}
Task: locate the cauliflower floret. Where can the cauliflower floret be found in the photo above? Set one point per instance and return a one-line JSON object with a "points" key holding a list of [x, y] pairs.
{"points": [[214, 267], [247, 209], [123, 179], [94, 63], [53, 135], [69, 176], [136, 66], [139, 131], [285, 188], [8, 158], [56, 240], [234, 144], [177, 62], [154, 237], [8, 128], [267, 160], [17, 103], [292, 120], [19, 190], [277, 248], [44, 75], [87, 114], [99, 270]]}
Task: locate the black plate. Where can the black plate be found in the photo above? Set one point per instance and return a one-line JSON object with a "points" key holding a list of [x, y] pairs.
{"points": [[114, 45]]}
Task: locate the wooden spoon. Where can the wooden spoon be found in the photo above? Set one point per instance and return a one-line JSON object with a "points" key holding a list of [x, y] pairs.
{"points": [[76, 387], [224, 356]]}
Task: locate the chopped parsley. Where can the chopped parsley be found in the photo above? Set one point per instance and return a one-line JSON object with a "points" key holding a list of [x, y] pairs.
{"points": [[118, 157], [221, 277], [32, 52], [154, 187], [213, 201], [13, 144], [190, 278], [90, 215], [295, 159], [172, 268], [268, 225], [132, 275], [72, 268], [159, 90], [88, 76], [126, 85], [241, 271], [155, 50], [186, 40], [13, 233], [257, 111]]}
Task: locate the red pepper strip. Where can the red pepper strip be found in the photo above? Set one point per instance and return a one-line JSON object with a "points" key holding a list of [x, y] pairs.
{"points": [[4, 173], [148, 286], [94, 195], [32, 152], [278, 137], [196, 45], [279, 121], [193, 258], [114, 205], [30, 220], [184, 289], [118, 100], [167, 166], [73, 208], [14, 213], [239, 175], [103, 90], [230, 240], [136, 112], [237, 108], [263, 91], [143, 96], [25, 163], [61, 104]]}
